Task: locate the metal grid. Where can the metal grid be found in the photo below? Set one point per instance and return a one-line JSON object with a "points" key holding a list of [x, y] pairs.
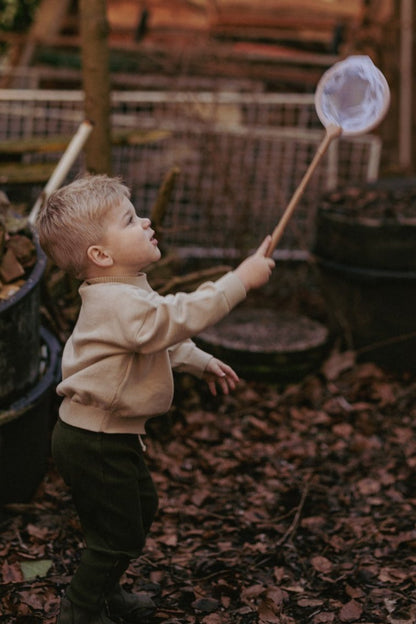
{"points": [[241, 157], [37, 113], [234, 186], [207, 109]]}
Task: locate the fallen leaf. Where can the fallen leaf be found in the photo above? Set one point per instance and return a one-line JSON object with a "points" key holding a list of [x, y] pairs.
{"points": [[206, 605], [321, 564], [33, 569], [351, 611], [323, 618], [337, 363]]}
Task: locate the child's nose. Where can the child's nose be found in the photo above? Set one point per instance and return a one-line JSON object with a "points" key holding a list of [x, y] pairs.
{"points": [[146, 222]]}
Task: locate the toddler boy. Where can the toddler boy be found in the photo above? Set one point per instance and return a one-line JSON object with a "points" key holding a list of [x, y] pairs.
{"points": [[116, 373]]}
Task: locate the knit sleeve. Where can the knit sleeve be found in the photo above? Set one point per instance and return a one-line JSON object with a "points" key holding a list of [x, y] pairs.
{"points": [[172, 319], [186, 357]]}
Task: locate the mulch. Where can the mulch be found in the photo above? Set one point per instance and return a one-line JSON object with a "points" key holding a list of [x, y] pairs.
{"points": [[279, 504]]}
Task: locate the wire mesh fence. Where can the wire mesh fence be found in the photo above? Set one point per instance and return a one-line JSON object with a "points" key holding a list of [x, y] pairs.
{"points": [[240, 155]]}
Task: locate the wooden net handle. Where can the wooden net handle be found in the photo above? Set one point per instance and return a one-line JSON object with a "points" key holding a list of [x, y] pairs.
{"points": [[332, 132]]}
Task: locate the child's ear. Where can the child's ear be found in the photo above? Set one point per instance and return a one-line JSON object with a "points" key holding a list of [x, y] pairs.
{"points": [[99, 256]]}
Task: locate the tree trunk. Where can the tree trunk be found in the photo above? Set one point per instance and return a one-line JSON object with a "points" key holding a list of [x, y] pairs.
{"points": [[96, 83]]}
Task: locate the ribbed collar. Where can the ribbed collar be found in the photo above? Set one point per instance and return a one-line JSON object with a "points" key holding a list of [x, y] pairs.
{"points": [[135, 280]]}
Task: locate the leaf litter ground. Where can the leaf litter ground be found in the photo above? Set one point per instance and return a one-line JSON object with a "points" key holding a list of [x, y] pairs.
{"points": [[280, 505]]}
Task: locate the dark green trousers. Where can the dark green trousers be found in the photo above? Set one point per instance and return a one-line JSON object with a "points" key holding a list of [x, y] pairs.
{"points": [[115, 499]]}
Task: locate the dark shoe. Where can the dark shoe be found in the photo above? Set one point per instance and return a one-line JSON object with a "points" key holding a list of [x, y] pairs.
{"points": [[71, 614], [130, 608]]}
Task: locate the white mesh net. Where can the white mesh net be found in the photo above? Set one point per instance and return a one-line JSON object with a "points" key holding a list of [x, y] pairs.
{"points": [[353, 94]]}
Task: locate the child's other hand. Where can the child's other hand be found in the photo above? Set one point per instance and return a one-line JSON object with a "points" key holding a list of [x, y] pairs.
{"points": [[255, 270], [218, 373]]}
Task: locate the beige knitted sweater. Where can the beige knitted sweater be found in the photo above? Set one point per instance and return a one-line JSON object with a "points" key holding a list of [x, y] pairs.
{"points": [[117, 364]]}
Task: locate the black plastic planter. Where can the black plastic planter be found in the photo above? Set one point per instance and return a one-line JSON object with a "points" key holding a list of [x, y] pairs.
{"points": [[20, 335], [365, 250], [375, 310], [25, 430], [372, 227]]}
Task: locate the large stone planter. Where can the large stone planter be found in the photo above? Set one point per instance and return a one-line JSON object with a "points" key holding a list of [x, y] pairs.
{"points": [[267, 344]]}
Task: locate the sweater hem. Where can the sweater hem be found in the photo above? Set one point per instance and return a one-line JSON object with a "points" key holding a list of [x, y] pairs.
{"points": [[96, 419]]}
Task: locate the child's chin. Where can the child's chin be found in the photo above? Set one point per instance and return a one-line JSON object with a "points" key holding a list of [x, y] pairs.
{"points": [[157, 255]]}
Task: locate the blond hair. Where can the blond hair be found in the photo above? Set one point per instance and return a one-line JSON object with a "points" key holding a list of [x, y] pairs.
{"points": [[73, 218]]}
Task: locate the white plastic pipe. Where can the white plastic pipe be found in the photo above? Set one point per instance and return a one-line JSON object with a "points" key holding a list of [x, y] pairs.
{"points": [[61, 170]]}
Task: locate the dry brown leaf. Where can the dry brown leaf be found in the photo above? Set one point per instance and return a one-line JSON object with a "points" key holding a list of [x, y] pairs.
{"points": [[322, 564], [323, 618], [337, 363], [351, 611]]}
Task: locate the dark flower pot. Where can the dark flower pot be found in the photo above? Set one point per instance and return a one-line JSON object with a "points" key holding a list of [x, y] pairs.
{"points": [[25, 429], [365, 250], [20, 335]]}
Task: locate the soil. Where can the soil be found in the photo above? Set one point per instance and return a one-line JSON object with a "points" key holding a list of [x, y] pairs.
{"points": [[387, 201], [278, 504], [261, 330]]}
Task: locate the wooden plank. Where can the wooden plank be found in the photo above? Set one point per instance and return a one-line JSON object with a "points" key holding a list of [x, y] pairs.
{"points": [[335, 8], [139, 137], [40, 145], [282, 22], [300, 35], [22, 173], [124, 15], [291, 24], [45, 145], [32, 173]]}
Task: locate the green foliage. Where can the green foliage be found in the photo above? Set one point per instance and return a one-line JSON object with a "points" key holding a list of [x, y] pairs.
{"points": [[17, 15]]}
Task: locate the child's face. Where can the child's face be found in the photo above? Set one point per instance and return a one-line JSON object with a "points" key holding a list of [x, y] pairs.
{"points": [[129, 240]]}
